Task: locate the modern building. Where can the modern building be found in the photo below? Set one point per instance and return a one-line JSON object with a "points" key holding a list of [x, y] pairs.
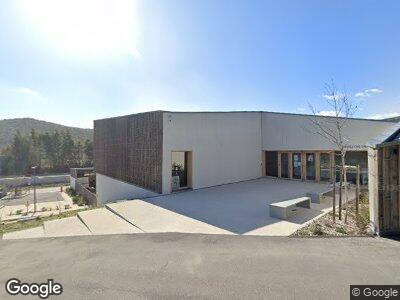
{"points": [[159, 152]]}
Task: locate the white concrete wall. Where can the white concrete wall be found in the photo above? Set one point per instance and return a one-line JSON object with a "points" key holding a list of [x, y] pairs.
{"points": [[226, 147], [373, 188], [72, 182], [109, 189], [45, 179], [296, 132]]}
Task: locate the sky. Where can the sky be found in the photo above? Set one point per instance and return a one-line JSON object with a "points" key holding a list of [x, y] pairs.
{"points": [[71, 62]]}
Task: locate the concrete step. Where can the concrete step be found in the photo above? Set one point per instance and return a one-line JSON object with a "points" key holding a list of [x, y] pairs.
{"points": [[65, 227], [152, 218], [104, 221], [30, 233]]}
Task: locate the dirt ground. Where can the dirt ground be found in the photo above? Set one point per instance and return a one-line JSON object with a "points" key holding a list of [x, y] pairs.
{"points": [[355, 226]]}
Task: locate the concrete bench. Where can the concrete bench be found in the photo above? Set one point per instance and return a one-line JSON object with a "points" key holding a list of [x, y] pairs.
{"points": [[282, 210], [316, 197]]}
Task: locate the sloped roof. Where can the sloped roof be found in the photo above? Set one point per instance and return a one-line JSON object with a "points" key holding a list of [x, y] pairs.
{"points": [[392, 134]]}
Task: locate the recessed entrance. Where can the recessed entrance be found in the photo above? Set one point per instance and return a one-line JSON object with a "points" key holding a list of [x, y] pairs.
{"points": [[181, 170]]}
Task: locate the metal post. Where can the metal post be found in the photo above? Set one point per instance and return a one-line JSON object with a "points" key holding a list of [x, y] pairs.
{"points": [[34, 189]]}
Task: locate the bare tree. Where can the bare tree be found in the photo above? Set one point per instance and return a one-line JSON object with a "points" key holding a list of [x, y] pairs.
{"points": [[332, 129]]}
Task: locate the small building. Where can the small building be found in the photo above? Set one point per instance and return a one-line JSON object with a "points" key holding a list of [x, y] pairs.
{"points": [[160, 152], [384, 183]]}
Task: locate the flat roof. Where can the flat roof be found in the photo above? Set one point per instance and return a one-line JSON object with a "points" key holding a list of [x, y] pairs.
{"points": [[247, 111]]}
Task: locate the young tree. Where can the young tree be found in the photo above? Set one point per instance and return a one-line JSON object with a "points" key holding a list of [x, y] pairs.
{"points": [[88, 150], [332, 128]]}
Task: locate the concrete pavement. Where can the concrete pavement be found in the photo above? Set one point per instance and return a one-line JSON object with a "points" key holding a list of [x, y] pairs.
{"points": [[172, 265], [152, 218], [103, 221]]}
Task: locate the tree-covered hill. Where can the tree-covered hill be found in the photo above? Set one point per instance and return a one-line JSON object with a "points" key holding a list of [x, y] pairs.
{"points": [[9, 127]]}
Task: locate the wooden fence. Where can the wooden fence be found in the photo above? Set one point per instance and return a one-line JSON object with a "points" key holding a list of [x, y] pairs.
{"points": [[89, 197]]}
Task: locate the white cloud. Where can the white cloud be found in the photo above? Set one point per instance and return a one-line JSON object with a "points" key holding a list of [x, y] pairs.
{"points": [[28, 91], [330, 97], [329, 113], [368, 93], [301, 109], [384, 116]]}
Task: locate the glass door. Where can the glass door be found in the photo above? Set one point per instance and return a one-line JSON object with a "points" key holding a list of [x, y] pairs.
{"points": [[325, 167], [297, 165], [285, 165], [310, 166]]}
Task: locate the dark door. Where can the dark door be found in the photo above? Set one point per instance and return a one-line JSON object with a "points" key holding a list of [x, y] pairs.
{"points": [[285, 165], [271, 162]]}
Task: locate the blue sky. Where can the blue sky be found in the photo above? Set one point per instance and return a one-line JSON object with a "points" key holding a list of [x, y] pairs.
{"points": [[74, 61]]}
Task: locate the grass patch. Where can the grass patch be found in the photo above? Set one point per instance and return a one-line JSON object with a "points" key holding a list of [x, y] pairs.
{"points": [[16, 226]]}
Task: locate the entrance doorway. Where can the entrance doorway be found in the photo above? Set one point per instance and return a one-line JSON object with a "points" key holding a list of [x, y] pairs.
{"points": [[285, 165], [297, 165], [310, 166], [325, 167], [181, 170]]}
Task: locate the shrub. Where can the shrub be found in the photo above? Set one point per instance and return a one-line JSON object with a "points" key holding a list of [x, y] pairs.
{"points": [[317, 230], [70, 191], [78, 200], [340, 230], [44, 208], [67, 206], [18, 212]]}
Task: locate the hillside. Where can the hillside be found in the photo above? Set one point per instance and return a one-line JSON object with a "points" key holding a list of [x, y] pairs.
{"points": [[9, 126], [395, 119]]}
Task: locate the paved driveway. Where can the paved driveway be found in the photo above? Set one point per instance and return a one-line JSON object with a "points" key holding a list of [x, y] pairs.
{"points": [[239, 208], [173, 266], [42, 195]]}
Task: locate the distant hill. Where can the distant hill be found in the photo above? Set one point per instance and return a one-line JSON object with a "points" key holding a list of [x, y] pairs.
{"points": [[395, 119], [8, 127]]}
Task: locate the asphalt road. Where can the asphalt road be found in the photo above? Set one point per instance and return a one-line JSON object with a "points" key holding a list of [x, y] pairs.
{"points": [[202, 266]]}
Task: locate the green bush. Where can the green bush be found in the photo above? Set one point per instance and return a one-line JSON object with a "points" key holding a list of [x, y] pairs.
{"points": [[78, 200], [67, 206], [340, 230], [70, 191], [44, 208], [18, 212]]}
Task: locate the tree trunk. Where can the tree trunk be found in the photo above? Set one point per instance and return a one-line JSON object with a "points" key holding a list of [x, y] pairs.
{"points": [[357, 190], [340, 193], [345, 195], [334, 194]]}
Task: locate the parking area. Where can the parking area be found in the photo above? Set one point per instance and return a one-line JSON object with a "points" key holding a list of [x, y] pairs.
{"points": [[239, 208], [43, 195], [49, 200]]}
